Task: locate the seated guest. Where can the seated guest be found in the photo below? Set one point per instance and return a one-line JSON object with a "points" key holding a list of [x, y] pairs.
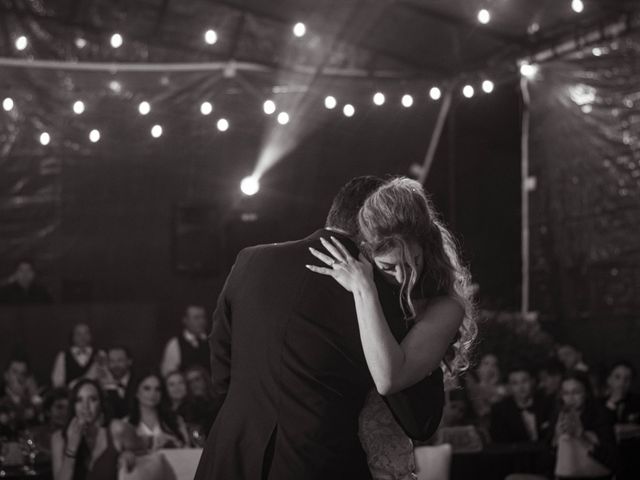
{"points": [[152, 417], [582, 434], [55, 408], [200, 392], [117, 382], [89, 446], [623, 406], [176, 387], [77, 361], [22, 287], [191, 346], [20, 396], [549, 379], [571, 358], [484, 388], [523, 416]]}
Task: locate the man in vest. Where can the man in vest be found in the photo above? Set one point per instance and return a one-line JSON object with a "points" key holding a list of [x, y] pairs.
{"points": [[191, 346]]}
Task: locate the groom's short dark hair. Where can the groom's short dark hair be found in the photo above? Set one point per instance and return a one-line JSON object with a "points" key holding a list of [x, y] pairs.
{"points": [[343, 213]]}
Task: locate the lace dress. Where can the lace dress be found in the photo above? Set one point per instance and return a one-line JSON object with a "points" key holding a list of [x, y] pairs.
{"points": [[389, 451]]}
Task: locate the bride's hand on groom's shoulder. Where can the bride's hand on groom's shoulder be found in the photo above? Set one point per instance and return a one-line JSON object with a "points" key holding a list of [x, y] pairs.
{"points": [[354, 274]]}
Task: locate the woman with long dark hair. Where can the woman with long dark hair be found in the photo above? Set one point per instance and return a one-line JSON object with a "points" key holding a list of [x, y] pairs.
{"points": [[90, 445], [152, 417], [404, 240]]}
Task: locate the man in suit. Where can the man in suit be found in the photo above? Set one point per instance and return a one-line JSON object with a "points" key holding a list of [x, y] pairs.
{"points": [[118, 383], [522, 417], [289, 373]]}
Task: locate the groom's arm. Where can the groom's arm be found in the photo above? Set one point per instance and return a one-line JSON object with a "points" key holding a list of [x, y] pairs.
{"points": [[221, 328], [418, 408]]}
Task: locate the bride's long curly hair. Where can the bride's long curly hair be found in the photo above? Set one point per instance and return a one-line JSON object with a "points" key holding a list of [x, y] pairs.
{"points": [[398, 213]]}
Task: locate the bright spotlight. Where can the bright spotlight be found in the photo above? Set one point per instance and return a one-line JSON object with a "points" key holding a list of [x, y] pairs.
{"points": [[7, 104], [210, 36], [435, 93], [269, 107], [487, 86], [45, 138], [81, 42], [78, 107], [378, 98], [144, 108], [223, 125], [250, 185], [116, 40], [348, 110], [206, 108], [407, 100], [330, 102], [577, 6], [156, 131], [21, 42], [528, 70], [94, 135], [283, 118], [468, 91], [299, 29], [484, 16]]}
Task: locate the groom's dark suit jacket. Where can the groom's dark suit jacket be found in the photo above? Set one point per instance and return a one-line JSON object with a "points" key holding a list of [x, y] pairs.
{"points": [[290, 375]]}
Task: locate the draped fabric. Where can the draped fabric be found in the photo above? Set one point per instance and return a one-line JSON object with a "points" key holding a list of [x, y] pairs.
{"points": [[585, 155]]}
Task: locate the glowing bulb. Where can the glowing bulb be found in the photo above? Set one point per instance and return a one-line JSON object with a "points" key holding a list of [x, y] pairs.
{"points": [[206, 108], [223, 125], [283, 118], [577, 6], [435, 93], [407, 100], [528, 70], [116, 40], [378, 98], [299, 29], [596, 52], [468, 91], [269, 107], [250, 185], [156, 131], [7, 104], [487, 86], [330, 102], [144, 108], [210, 36], [94, 135], [78, 107], [45, 138], [21, 42], [81, 42], [348, 110], [115, 86], [484, 16]]}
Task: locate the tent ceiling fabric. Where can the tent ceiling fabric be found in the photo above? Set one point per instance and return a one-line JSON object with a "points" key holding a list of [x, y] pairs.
{"points": [[432, 39]]}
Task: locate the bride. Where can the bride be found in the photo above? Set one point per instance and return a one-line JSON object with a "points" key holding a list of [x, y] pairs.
{"points": [[403, 239]]}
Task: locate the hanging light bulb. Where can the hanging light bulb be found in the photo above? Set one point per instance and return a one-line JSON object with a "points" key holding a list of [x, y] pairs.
{"points": [[210, 36], [330, 102], [299, 29], [348, 110], [116, 40], [144, 108], [487, 86], [379, 98], [435, 93], [94, 135], [269, 107], [45, 138], [8, 104], [484, 16], [468, 91], [283, 118], [78, 107], [156, 131], [223, 125], [407, 100], [21, 42], [206, 108], [577, 6], [250, 185]]}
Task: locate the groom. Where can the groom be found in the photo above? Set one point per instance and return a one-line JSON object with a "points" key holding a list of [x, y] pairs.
{"points": [[289, 373]]}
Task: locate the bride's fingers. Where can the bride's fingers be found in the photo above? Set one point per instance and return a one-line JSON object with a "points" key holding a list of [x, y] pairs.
{"points": [[322, 256], [332, 250], [345, 253], [321, 270]]}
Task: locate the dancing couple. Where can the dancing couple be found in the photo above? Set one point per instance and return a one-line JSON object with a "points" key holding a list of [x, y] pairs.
{"points": [[328, 353]]}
